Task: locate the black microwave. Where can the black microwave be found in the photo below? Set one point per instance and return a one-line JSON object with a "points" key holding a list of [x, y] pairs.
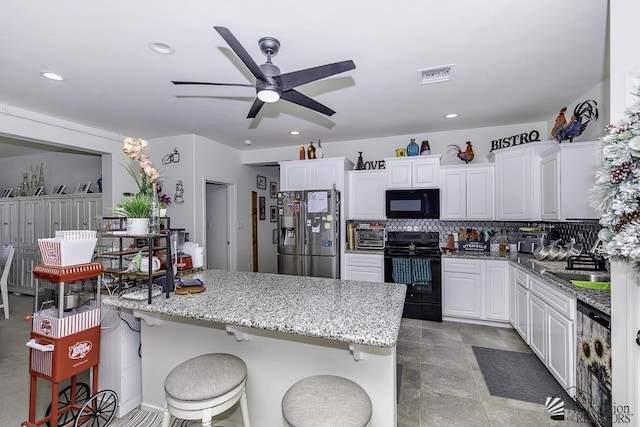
{"points": [[418, 203]]}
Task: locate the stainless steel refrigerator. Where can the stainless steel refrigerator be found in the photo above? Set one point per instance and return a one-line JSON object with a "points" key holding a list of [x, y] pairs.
{"points": [[309, 233]]}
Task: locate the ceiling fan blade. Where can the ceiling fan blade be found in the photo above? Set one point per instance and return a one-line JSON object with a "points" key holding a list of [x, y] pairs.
{"points": [[297, 78], [303, 100], [253, 112], [212, 84], [235, 45]]}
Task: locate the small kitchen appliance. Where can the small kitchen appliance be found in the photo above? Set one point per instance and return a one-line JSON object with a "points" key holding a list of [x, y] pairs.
{"points": [[178, 239], [370, 238], [528, 241]]}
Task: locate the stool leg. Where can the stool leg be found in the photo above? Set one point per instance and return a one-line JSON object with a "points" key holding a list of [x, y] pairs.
{"points": [[244, 409], [166, 417], [206, 417]]}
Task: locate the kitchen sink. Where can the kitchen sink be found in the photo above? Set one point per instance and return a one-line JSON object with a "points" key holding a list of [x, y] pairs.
{"points": [[586, 278]]}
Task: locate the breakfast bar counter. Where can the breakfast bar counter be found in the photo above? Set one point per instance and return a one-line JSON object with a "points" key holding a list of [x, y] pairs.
{"points": [[283, 327]]}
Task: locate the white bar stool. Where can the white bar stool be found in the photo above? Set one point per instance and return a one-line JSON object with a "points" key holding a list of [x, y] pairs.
{"points": [[326, 400], [205, 386]]}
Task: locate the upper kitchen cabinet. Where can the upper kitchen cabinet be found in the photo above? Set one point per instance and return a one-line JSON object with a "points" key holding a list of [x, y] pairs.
{"points": [[366, 196], [518, 181], [8, 222], [466, 192], [315, 174], [567, 173], [413, 172]]}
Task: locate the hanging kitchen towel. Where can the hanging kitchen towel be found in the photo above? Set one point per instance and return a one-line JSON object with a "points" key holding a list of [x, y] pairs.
{"points": [[401, 270], [421, 271]]}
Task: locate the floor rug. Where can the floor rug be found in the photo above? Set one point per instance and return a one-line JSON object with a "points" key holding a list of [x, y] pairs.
{"points": [[142, 418], [520, 376]]}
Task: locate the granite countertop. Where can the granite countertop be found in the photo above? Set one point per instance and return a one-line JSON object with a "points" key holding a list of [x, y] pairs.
{"points": [[600, 299], [343, 310]]}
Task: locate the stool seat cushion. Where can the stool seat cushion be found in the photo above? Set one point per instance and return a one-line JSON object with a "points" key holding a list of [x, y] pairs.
{"points": [[326, 400], [205, 377]]}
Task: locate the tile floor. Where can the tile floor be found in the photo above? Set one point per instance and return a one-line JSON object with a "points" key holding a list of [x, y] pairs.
{"points": [[441, 381], [442, 384]]}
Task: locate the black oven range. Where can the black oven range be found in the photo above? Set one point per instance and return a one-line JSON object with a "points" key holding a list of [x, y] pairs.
{"points": [[413, 258]]}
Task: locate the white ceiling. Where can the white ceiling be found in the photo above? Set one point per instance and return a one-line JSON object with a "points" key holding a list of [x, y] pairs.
{"points": [[515, 62]]}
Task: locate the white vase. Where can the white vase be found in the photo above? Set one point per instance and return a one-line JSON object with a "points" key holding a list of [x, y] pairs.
{"points": [[137, 226], [163, 212]]}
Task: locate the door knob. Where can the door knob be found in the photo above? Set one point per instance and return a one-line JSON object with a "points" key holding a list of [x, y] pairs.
{"points": [[638, 338]]}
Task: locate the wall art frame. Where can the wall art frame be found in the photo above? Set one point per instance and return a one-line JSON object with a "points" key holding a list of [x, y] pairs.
{"points": [[262, 207], [273, 213], [58, 189], [273, 189], [261, 182], [83, 187], [7, 192]]}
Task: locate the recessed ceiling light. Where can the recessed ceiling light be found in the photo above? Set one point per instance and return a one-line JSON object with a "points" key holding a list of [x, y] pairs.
{"points": [[247, 142], [52, 76], [451, 116], [161, 47], [295, 132]]}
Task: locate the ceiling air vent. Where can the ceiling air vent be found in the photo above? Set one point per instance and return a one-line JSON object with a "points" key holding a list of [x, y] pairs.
{"points": [[435, 74]]}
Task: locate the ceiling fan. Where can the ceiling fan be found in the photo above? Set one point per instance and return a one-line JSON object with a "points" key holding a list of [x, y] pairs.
{"points": [[270, 84]]}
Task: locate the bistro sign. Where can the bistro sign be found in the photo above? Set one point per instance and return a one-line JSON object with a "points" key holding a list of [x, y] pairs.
{"points": [[512, 141]]}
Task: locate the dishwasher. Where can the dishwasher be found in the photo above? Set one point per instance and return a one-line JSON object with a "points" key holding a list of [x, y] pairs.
{"points": [[593, 364]]}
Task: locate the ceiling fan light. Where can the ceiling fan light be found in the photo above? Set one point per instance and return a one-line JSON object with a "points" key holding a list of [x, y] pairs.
{"points": [[268, 95]]}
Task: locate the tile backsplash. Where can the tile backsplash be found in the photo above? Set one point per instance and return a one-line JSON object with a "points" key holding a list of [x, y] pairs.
{"points": [[585, 232]]}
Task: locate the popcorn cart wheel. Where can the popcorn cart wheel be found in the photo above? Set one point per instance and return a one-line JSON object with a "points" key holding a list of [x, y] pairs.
{"points": [[67, 397], [97, 410]]}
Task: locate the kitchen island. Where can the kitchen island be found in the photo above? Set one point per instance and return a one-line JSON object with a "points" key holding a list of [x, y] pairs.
{"points": [[284, 328]]}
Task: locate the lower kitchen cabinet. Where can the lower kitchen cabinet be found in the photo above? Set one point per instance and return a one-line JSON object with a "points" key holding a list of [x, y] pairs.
{"points": [[553, 331], [475, 289], [520, 305], [537, 329], [364, 267]]}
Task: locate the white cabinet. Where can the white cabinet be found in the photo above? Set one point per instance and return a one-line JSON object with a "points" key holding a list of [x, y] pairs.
{"points": [[33, 218], [8, 222], [537, 326], [364, 267], [466, 192], [31, 221], [316, 174], [517, 179], [475, 289], [553, 314], [84, 212], [521, 304], [413, 172], [366, 195], [567, 173], [496, 284], [57, 213]]}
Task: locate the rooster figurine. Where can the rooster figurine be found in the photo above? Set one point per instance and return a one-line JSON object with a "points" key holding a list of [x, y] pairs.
{"points": [[466, 155], [582, 115]]}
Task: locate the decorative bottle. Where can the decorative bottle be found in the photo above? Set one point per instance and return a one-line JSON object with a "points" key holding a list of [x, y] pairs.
{"points": [[311, 151], [425, 150], [360, 163], [154, 211], [413, 149], [319, 151], [301, 153]]}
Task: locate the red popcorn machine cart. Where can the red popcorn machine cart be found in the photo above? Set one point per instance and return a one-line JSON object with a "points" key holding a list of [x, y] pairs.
{"points": [[65, 341]]}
